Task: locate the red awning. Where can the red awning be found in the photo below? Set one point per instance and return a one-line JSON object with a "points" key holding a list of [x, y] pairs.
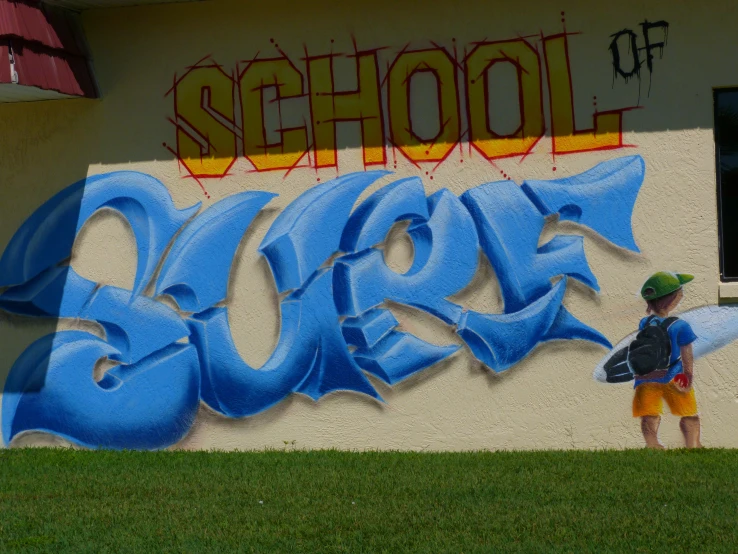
{"points": [[44, 48]]}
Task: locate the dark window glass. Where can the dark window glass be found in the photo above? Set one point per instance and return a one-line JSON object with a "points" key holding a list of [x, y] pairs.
{"points": [[726, 151]]}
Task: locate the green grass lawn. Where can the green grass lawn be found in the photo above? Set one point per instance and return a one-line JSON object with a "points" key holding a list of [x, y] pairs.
{"points": [[632, 501]]}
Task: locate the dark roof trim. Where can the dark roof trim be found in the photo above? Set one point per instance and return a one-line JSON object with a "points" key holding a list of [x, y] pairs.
{"points": [[50, 27], [44, 48]]}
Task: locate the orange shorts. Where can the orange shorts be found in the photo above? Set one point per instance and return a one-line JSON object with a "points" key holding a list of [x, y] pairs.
{"points": [[649, 400]]}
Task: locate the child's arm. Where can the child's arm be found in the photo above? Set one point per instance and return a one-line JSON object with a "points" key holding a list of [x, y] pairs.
{"points": [[684, 380]]}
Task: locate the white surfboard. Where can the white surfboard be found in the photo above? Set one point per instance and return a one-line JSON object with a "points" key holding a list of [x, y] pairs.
{"points": [[715, 327]]}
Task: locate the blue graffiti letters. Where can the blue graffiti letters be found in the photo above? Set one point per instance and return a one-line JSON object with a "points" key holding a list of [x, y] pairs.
{"points": [[197, 268], [144, 406], [445, 261], [290, 246], [328, 264], [47, 237], [310, 358]]}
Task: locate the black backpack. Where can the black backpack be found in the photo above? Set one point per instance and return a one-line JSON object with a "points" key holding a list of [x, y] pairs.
{"points": [[649, 351]]}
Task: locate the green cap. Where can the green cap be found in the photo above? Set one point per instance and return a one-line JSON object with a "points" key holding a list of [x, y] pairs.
{"points": [[663, 283]]}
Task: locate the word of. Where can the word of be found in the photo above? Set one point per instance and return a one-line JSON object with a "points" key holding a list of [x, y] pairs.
{"points": [[167, 364], [209, 137], [635, 52]]}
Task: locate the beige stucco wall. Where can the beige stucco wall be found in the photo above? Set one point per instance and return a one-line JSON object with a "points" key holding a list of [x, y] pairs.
{"points": [[550, 399]]}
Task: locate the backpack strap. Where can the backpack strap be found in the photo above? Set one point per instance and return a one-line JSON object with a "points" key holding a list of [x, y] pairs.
{"points": [[669, 321]]}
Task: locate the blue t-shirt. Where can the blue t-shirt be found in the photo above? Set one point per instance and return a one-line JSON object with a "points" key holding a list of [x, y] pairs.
{"points": [[681, 334]]}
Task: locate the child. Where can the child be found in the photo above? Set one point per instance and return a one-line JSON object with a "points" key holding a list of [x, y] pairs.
{"points": [[662, 293]]}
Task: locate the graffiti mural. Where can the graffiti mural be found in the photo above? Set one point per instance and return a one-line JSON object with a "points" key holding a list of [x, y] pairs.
{"points": [[281, 112], [325, 261]]}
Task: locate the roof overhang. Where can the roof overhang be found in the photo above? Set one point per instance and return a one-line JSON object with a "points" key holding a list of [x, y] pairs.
{"points": [[43, 52]]}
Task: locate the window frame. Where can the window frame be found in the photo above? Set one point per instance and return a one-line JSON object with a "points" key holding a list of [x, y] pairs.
{"points": [[718, 179]]}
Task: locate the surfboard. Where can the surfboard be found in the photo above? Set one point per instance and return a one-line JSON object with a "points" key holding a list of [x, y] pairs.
{"points": [[715, 327]]}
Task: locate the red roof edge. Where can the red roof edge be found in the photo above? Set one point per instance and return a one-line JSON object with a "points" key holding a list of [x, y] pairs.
{"points": [[44, 48]]}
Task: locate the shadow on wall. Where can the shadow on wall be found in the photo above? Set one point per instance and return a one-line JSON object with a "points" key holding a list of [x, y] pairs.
{"points": [[424, 102], [162, 362]]}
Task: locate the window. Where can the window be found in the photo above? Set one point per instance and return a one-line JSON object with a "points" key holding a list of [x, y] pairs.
{"points": [[726, 152]]}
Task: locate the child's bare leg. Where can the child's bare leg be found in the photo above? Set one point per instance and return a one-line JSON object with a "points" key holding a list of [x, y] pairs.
{"points": [[650, 429], [690, 427]]}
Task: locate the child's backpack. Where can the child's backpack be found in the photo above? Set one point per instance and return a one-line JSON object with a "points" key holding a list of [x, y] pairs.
{"points": [[651, 349]]}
